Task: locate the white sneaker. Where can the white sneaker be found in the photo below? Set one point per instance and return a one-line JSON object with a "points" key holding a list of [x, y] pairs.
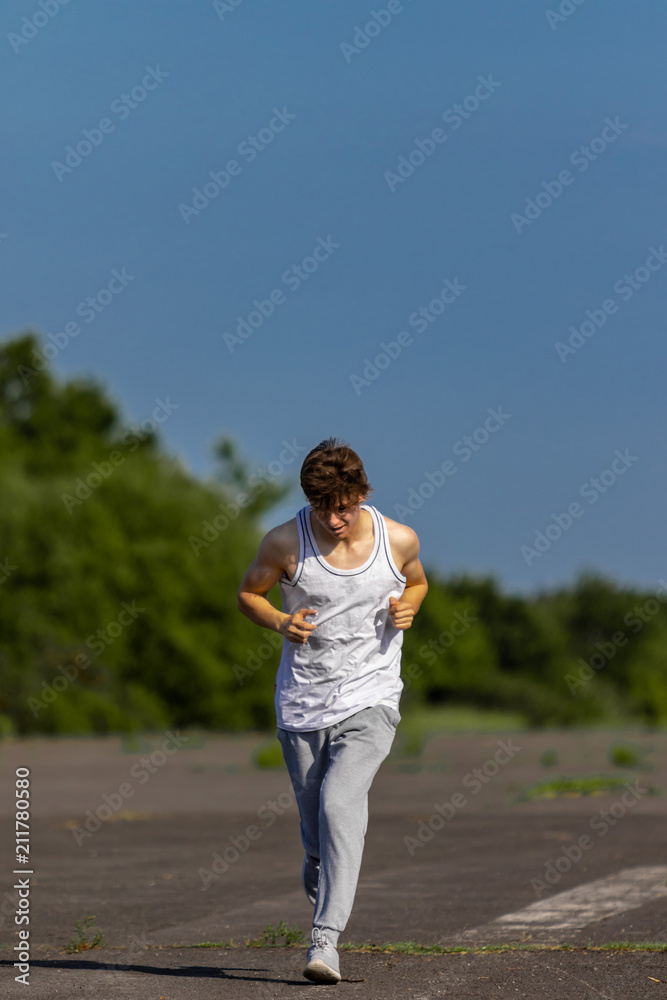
{"points": [[323, 965]]}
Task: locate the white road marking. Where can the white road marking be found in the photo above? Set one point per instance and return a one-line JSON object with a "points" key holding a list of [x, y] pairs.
{"points": [[576, 908]]}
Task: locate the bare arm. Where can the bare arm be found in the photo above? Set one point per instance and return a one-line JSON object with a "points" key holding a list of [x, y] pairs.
{"points": [[263, 573], [404, 541]]}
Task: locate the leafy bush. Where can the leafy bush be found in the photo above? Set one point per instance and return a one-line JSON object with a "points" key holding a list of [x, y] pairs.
{"points": [[118, 609]]}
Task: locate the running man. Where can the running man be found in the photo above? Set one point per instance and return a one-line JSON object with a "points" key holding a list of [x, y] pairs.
{"points": [[351, 582]]}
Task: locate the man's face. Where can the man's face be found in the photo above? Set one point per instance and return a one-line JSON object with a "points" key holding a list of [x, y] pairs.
{"points": [[339, 521]]}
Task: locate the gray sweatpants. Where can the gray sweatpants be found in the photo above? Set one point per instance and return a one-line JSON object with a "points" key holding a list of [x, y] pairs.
{"points": [[332, 771]]}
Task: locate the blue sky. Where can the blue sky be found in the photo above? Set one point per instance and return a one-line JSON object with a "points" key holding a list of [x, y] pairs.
{"points": [[336, 109]]}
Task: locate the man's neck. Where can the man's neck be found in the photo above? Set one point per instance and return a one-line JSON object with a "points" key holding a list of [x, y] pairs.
{"points": [[362, 531]]}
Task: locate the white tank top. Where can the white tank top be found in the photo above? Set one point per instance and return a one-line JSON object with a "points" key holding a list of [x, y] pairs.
{"points": [[352, 660]]}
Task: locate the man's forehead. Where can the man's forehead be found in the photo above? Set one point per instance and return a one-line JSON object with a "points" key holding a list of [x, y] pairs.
{"points": [[336, 508]]}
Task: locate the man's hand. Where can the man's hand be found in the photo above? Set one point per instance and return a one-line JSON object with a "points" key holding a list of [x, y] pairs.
{"points": [[295, 627], [401, 613]]}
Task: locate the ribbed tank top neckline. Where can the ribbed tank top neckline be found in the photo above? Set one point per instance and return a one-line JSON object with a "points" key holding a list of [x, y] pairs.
{"points": [[377, 531]]}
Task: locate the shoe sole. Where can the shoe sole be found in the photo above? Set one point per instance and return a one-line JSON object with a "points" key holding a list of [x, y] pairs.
{"points": [[319, 972]]}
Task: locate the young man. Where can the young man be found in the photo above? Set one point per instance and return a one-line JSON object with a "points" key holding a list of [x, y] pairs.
{"points": [[357, 575]]}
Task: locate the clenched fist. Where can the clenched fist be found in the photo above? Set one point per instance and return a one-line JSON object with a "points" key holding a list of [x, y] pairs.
{"points": [[295, 627], [401, 613]]}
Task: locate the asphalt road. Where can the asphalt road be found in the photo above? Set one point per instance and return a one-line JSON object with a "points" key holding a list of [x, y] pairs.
{"points": [[150, 866]]}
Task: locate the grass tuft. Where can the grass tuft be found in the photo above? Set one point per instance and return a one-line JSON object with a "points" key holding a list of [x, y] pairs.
{"points": [[549, 758], [575, 787], [213, 944], [293, 937], [269, 756], [82, 942], [412, 948], [629, 755], [282, 936]]}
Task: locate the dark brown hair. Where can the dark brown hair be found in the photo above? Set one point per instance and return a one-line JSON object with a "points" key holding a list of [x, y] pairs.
{"points": [[332, 474]]}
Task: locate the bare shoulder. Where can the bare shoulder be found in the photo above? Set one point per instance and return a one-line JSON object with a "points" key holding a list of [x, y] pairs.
{"points": [[274, 558], [281, 544], [280, 547], [403, 539]]}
